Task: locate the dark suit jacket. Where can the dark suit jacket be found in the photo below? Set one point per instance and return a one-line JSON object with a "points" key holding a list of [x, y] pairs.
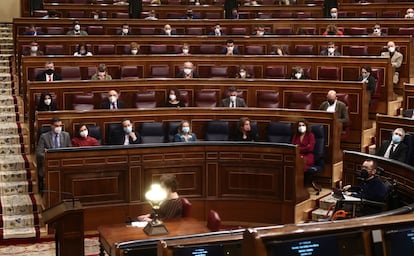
{"points": [[182, 75], [408, 113], [371, 84], [340, 108], [106, 105], [117, 137], [30, 33], [399, 154], [46, 142], [239, 102], [325, 53], [42, 77], [235, 51]]}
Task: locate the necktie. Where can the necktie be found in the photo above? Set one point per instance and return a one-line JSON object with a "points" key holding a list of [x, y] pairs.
{"points": [[392, 148], [49, 78], [113, 105], [57, 141], [232, 104]]}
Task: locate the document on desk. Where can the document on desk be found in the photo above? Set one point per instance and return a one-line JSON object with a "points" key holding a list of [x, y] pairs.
{"points": [[139, 224], [351, 198]]}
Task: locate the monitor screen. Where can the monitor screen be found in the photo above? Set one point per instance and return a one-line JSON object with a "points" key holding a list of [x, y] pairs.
{"points": [[399, 242], [217, 249]]}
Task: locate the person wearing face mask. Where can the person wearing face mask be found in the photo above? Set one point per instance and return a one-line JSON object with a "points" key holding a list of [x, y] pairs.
{"points": [[244, 131], [372, 187], [395, 148], [235, 14], [33, 50], [188, 71], [134, 48], [233, 101], [330, 50], [77, 30], [369, 80], [332, 30], [102, 73], [53, 139], [396, 60], [124, 135], [184, 133], [112, 101], [327, 6], [298, 73], [185, 49], [260, 31], [82, 138], [168, 31], [151, 15], [125, 30], [278, 50], [409, 14], [46, 103], [334, 13], [49, 74], [216, 31], [305, 139], [230, 48], [82, 50], [174, 99], [376, 31], [332, 104], [243, 73], [189, 15]]}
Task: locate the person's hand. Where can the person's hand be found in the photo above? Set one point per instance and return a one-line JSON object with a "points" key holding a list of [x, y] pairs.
{"points": [[145, 217], [133, 136], [345, 188]]}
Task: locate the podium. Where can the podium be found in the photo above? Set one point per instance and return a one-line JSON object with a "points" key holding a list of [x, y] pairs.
{"points": [[67, 220]]}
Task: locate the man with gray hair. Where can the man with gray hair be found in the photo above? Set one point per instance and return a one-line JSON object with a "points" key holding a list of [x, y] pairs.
{"points": [[395, 148]]}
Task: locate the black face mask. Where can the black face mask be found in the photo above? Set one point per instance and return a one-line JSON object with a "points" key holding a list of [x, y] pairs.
{"points": [[364, 174], [331, 102], [49, 71], [189, 15]]}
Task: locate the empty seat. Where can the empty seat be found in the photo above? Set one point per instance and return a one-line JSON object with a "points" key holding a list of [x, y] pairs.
{"points": [[95, 131], [158, 48], [238, 31], [368, 15], [106, 49], [174, 15], [279, 132], [213, 15], [342, 14], [406, 31], [284, 31], [390, 14], [358, 31], [39, 13], [147, 31], [308, 30], [283, 14], [172, 129], [264, 15], [145, 100], [267, 99], [328, 73], [160, 71], [213, 221], [152, 132], [346, 127], [54, 49], [217, 131], [54, 31], [76, 14], [95, 30], [303, 15], [254, 50], [219, 71], [358, 50], [318, 150], [275, 72], [196, 31], [304, 49], [70, 73], [129, 72], [82, 101], [208, 49], [121, 15], [206, 99], [299, 100], [186, 213]]}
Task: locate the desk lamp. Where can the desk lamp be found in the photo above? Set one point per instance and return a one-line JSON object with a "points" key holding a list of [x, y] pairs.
{"points": [[156, 195]]}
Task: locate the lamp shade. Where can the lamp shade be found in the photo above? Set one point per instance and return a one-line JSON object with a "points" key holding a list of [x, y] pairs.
{"points": [[156, 194]]}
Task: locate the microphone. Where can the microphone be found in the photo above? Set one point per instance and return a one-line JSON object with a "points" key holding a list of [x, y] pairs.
{"points": [[72, 197]]}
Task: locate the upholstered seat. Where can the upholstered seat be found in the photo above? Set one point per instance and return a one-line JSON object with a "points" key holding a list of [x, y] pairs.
{"points": [[213, 221], [328, 73], [172, 129], [95, 131], [267, 99], [206, 99], [279, 132], [304, 49], [160, 71], [95, 30], [145, 99], [275, 72], [129, 72], [152, 132], [299, 100], [358, 50], [254, 50], [54, 49], [106, 49], [217, 131], [83, 101], [70, 73], [186, 213]]}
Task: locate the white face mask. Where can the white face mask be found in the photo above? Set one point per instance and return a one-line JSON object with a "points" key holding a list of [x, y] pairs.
{"points": [[168, 31], [187, 71], [279, 52], [125, 30], [112, 99], [84, 133], [391, 49], [77, 27], [331, 50], [134, 52], [233, 98], [47, 102], [186, 129], [302, 129], [185, 51], [173, 97], [242, 74], [260, 33], [230, 49], [34, 48], [217, 31], [58, 130], [128, 129], [410, 15], [377, 30], [334, 15], [298, 75], [96, 16]]}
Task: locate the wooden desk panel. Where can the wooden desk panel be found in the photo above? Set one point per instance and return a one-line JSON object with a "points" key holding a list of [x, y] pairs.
{"points": [[385, 125]]}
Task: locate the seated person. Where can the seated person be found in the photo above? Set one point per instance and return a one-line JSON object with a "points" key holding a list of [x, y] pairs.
{"points": [[235, 14], [82, 50], [172, 207], [376, 31], [233, 101], [51, 14], [409, 14], [334, 13], [134, 48], [243, 73], [305, 139], [298, 73], [102, 73], [278, 50], [230, 48], [372, 188], [151, 15], [184, 133], [370, 81], [167, 30], [32, 31], [188, 71], [82, 138], [174, 99], [260, 31], [332, 104], [396, 60], [217, 31], [46, 103], [125, 31], [77, 30], [332, 30], [112, 101], [189, 15], [124, 135], [49, 75], [330, 50], [408, 113], [185, 49], [34, 50], [395, 148], [244, 131]]}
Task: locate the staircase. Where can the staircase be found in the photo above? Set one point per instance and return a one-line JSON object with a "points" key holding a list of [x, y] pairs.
{"points": [[18, 200]]}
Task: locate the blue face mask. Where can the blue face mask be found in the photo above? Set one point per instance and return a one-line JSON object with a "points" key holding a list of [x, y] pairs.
{"points": [[128, 129], [396, 138], [186, 129]]}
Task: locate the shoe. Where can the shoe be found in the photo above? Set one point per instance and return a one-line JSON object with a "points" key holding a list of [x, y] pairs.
{"points": [[316, 187]]}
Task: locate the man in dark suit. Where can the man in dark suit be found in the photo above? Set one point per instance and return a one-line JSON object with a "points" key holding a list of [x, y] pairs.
{"points": [[230, 48], [125, 31], [332, 104], [395, 148], [55, 138], [188, 71], [331, 50], [112, 101], [49, 75], [124, 135], [233, 101], [408, 113], [32, 31]]}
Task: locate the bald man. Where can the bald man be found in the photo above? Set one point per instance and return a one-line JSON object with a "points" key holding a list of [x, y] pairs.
{"points": [[188, 71], [112, 101], [396, 60], [332, 104]]}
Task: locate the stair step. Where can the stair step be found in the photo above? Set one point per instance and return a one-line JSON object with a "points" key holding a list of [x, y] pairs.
{"points": [[10, 150], [14, 176], [319, 214], [326, 202], [12, 162]]}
